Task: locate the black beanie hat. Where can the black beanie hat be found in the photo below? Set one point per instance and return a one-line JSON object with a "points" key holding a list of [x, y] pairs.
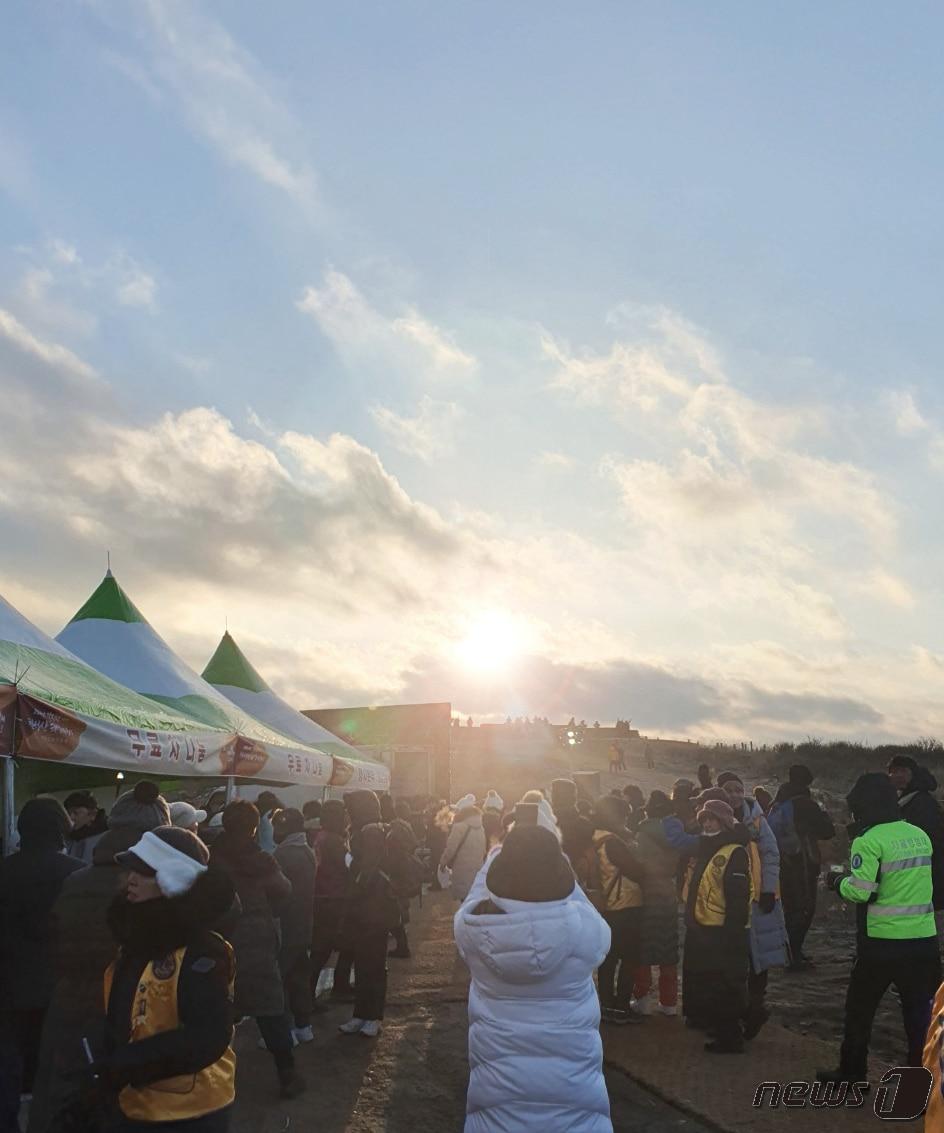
{"points": [[530, 867], [659, 805], [800, 775], [42, 823], [729, 777], [285, 822]]}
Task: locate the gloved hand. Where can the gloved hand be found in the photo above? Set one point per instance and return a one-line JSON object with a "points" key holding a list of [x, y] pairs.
{"points": [[767, 902], [833, 879]]}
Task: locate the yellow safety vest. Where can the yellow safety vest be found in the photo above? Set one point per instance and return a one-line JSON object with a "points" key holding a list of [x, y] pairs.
{"points": [[710, 902], [934, 1061], [621, 893], [154, 1011]]}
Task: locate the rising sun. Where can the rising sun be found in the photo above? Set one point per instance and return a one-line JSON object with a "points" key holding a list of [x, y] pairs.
{"points": [[493, 641]]}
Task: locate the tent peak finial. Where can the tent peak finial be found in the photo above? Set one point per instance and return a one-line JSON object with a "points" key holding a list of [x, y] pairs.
{"points": [[108, 573]]}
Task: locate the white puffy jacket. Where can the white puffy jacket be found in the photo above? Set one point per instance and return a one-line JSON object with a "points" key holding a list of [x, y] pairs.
{"points": [[534, 1040]]}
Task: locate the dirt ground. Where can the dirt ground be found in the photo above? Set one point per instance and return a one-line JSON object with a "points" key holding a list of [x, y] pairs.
{"points": [[413, 1078]]}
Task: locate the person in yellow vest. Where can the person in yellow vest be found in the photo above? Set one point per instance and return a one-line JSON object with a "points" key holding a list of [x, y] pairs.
{"points": [[768, 928], [618, 874], [168, 995], [716, 959]]}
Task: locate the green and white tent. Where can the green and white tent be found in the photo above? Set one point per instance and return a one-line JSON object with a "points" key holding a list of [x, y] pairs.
{"points": [[112, 635], [231, 674], [53, 706]]}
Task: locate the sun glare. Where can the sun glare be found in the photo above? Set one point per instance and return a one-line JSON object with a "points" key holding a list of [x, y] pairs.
{"points": [[493, 642]]}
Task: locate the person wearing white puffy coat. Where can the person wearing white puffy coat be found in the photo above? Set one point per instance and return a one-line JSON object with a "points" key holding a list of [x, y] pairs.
{"points": [[532, 941]]}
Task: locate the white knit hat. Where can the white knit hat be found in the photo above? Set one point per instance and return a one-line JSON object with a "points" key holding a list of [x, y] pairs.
{"points": [[175, 858], [184, 815], [493, 801], [466, 800]]}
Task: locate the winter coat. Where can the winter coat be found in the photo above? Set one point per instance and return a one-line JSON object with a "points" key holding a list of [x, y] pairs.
{"points": [[535, 1052], [30, 882], [331, 855], [296, 860], [721, 948], [768, 930], [262, 890], [464, 853], [153, 931], [919, 807], [83, 949], [659, 862], [81, 843], [813, 825]]}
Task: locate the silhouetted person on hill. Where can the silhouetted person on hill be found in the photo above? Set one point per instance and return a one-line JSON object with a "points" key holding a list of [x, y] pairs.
{"points": [[704, 777]]}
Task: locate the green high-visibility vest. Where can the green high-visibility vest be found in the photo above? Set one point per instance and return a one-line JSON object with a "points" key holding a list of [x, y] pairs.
{"points": [[891, 869]]}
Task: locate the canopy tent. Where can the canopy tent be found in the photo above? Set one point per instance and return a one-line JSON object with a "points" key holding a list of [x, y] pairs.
{"points": [[231, 674], [56, 710], [110, 634]]}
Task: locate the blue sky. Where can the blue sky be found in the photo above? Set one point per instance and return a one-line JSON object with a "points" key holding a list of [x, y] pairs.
{"points": [[609, 331]]}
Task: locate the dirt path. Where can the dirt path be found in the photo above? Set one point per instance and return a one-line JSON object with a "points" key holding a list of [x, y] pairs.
{"points": [[413, 1078]]}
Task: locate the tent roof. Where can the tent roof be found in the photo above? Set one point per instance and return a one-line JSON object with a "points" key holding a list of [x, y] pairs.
{"points": [[43, 668], [229, 666], [131, 650], [109, 601], [231, 673]]}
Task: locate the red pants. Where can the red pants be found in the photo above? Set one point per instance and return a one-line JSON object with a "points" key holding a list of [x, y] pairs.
{"points": [[668, 984]]}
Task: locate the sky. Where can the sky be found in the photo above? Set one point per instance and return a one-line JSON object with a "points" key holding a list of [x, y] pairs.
{"points": [[544, 358]]}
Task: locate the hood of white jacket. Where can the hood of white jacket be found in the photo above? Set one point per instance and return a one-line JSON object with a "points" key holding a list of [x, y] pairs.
{"points": [[530, 940]]}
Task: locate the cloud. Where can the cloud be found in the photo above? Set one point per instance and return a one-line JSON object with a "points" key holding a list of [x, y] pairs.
{"points": [[58, 286], [731, 495], [555, 461], [428, 435], [911, 423], [134, 287], [190, 60], [406, 341], [808, 711], [655, 697], [51, 354]]}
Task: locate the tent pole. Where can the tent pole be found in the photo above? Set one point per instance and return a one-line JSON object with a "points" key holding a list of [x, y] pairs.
{"points": [[9, 807], [230, 789]]}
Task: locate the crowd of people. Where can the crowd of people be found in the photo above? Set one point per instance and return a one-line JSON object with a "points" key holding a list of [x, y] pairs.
{"points": [[574, 886], [133, 942]]}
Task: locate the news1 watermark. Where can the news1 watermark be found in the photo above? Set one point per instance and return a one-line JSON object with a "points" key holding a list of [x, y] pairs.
{"points": [[902, 1094]]}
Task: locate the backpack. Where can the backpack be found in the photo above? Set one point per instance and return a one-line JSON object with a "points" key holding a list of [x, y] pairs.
{"points": [[782, 822], [407, 874]]}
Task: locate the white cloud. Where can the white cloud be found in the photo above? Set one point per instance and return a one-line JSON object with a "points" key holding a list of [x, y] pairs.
{"points": [[137, 289], [222, 91], [407, 342], [885, 586], [555, 461], [428, 435], [196, 365], [51, 354], [909, 421], [64, 253]]}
